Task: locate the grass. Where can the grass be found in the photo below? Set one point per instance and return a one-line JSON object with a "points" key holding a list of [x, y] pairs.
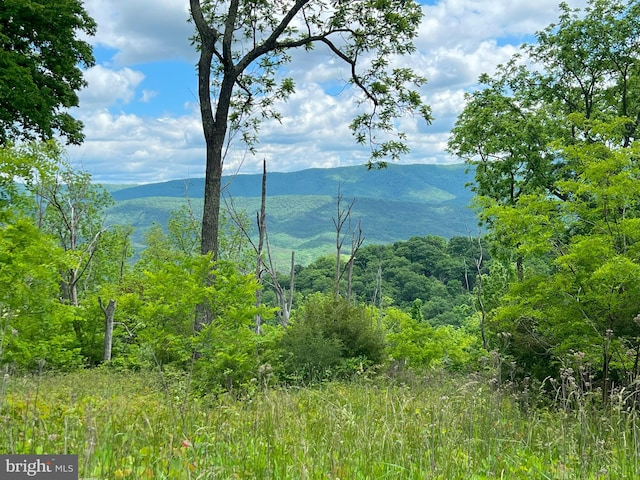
{"points": [[125, 425]]}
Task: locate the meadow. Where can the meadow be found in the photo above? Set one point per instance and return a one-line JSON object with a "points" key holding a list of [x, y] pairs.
{"points": [[440, 426]]}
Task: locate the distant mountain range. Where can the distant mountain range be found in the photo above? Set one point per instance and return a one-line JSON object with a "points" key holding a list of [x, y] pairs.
{"points": [[393, 204]]}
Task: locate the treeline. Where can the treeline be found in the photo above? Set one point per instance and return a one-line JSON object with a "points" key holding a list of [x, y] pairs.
{"points": [[434, 275]]}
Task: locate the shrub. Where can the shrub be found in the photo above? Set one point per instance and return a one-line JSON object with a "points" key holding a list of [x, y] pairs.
{"points": [[331, 338], [419, 345]]}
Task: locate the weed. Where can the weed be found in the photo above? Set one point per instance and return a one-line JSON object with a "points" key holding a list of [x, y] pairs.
{"points": [[439, 426]]}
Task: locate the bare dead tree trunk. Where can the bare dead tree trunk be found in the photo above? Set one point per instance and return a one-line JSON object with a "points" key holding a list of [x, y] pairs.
{"points": [[285, 301], [109, 312], [479, 293], [357, 239], [262, 226], [338, 222], [283, 298]]}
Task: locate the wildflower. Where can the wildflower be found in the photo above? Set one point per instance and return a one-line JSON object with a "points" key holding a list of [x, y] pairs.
{"points": [[186, 443]]}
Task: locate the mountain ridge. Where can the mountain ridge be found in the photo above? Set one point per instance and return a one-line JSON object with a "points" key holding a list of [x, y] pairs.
{"points": [[392, 204], [393, 182]]}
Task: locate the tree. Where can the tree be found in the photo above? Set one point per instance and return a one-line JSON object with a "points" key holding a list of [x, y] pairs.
{"points": [[583, 65], [41, 62], [340, 221], [72, 208], [16, 168], [330, 337], [579, 292], [244, 43], [554, 143], [413, 343], [34, 326]]}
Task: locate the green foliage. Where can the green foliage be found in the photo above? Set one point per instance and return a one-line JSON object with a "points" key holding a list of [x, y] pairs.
{"points": [[553, 137], [439, 273], [70, 207], [43, 197], [331, 338], [230, 353], [34, 326], [589, 281], [157, 307], [418, 345], [451, 427], [42, 58]]}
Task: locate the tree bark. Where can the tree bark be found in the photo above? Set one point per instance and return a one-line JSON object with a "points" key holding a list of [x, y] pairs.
{"points": [[215, 130], [109, 312], [262, 225]]}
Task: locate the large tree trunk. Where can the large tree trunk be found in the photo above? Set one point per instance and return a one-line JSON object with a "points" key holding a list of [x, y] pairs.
{"points": [[215, 131], [214, 127], [211, 210], [213, 172]]}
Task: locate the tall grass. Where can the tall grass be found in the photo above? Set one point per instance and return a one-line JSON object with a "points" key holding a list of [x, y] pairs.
{"points": [[135, 426]]}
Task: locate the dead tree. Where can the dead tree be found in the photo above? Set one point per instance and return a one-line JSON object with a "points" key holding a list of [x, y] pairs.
{"points": [[261, 220], [109, 312], [343, 219], [357, 239], [284, 298]]}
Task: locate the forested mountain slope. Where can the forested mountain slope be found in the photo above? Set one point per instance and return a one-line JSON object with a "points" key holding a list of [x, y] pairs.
{"points": [[393, 204]]}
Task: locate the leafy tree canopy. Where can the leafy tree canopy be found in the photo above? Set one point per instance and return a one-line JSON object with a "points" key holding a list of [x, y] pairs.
{"points": [[243, 45], [40, 67], [554, 136]]}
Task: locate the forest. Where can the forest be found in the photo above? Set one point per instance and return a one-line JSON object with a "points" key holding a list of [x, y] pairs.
{"points": [[69, 281], [511, 354]]}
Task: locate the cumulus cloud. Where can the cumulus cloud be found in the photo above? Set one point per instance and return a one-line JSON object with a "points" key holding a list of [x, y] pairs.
{"points": [[108, 87], [127, 142], [140, 31], [129, 148]]}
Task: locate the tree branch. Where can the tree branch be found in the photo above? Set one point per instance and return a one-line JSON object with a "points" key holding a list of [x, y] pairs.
{"points": [[271, 43]]}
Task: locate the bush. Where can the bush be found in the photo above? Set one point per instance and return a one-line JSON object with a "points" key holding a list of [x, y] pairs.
{"points": [[419, 345], [330, 338]]}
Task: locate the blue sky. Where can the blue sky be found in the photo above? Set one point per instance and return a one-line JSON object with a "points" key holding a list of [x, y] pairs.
{"points": [[142, 122]]}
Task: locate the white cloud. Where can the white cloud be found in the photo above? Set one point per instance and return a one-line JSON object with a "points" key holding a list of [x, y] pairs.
{"points": [[465, 23], [143, 31], [128, 148], [458, 40], [148, 95], [107, 87]]}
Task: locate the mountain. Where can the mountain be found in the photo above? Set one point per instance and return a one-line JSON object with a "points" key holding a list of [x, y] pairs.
{"points": [[392, 204]]}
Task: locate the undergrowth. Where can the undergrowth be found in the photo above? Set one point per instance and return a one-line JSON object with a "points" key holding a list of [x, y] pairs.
{"points": [[126, 425]]}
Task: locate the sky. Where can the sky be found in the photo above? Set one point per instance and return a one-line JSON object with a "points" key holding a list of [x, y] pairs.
{"points": [[141, 116]]}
